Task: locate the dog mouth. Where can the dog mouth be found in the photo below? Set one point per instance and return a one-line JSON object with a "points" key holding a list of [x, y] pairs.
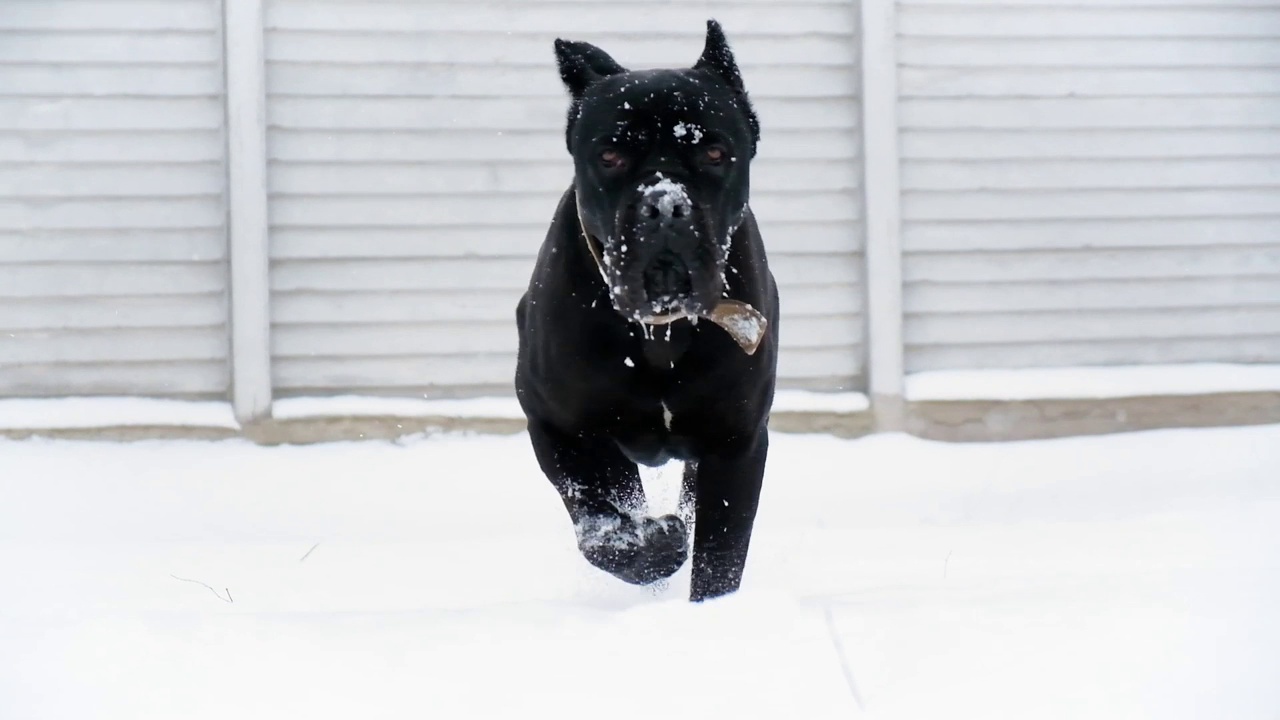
{"points": [[659, 280], [657, 255], [667, 282], [677, 272], [663, 262]]}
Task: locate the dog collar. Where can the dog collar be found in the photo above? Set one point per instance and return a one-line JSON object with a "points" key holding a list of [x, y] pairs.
{"points": [[745, 324]]}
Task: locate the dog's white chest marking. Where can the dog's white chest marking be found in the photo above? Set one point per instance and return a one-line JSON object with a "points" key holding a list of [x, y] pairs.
{"points": [[666, 416]]}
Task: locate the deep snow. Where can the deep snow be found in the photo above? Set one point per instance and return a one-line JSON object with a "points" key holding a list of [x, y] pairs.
{"points": [[1128, 576]]}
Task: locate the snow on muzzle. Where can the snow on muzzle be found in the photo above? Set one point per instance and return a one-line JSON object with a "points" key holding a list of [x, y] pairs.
{"points": [[667, 264]]}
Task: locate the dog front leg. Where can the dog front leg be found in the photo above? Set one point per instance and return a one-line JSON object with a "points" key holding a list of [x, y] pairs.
{"points": [[602, 492], [728, 483]]}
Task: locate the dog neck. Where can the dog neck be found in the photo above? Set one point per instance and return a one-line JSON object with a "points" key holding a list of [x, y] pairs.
{"points": [[745, 324]]}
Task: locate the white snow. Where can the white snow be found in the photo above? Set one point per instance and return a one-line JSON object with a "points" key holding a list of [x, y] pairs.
{"points": [[1040, 383], [99, 412], [501, 407], [1123, 576], [826, 402], [681, 129], [70, 413], [1092, 382], [672, 192], [506, 407]]}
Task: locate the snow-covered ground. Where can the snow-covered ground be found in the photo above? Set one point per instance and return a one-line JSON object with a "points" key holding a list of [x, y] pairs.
{"points": [[1128, 576], [1078, 383]]}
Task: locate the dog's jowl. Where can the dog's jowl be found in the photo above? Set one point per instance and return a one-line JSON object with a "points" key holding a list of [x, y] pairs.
{"points": [[649, 331]]}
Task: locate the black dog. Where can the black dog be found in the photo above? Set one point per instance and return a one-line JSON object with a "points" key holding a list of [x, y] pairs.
{"points": [[649, 331]]}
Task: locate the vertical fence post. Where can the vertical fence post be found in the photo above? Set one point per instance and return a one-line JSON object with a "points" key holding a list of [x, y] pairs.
{"points": [[883, 213], [243, 32]]}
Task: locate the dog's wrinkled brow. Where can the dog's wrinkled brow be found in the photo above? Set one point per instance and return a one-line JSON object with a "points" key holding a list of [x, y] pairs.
{"points": [[622, 134]]}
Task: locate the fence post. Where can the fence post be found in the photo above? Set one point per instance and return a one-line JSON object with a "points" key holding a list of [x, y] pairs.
{"points": [[881, 188], [247, 208]]}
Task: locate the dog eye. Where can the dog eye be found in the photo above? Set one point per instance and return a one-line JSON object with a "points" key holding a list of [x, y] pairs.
{"points": [[611, 159], [714, 155]]}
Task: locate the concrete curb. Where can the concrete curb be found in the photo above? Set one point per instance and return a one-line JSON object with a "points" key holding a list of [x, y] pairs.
{"points": [[970, 421], [948, 420]]}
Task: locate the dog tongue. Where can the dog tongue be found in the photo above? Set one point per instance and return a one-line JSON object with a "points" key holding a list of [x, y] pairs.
{"points": [[744, 323]]}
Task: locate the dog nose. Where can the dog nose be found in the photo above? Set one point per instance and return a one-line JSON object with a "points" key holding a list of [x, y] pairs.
{"points": [[662, 205]]}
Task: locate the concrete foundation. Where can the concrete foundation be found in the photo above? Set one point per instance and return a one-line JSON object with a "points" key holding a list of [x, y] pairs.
{"points": [[951, 421]]}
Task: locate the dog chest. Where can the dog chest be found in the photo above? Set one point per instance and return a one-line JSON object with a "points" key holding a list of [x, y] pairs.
{"points": [[654, 449], [663, 346]]}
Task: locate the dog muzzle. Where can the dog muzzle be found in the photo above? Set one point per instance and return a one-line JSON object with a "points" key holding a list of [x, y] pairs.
{"points": [[745, 324]]}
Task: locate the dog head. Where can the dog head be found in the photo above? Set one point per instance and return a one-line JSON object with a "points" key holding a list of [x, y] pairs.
{"points": [[661, 163]]}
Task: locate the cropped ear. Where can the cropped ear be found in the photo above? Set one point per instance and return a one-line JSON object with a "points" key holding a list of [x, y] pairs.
{"points": [[582, 64], [717, 59]]}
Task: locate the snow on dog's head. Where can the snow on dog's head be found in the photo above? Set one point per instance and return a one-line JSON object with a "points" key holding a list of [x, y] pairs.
{"points": [[661, 163]]}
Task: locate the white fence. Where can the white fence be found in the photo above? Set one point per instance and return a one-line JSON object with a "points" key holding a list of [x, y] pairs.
{"points": [[266, 198]]}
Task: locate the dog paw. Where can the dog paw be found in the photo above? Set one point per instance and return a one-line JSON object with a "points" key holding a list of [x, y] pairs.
{"points": [[639, 552]]}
